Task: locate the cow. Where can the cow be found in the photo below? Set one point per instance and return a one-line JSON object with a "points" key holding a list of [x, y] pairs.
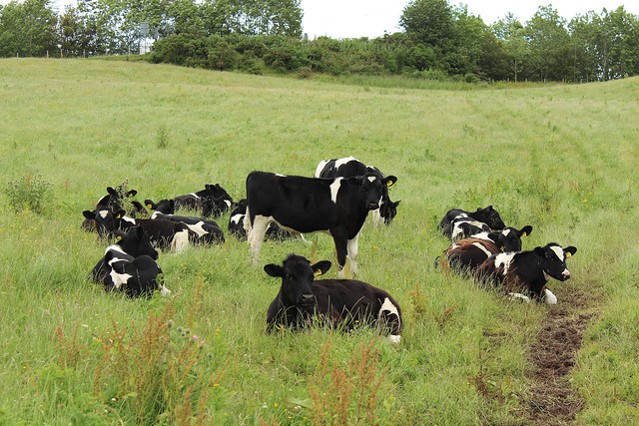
{"points": [[524, 274], [139, 276], [351, 167], [135, 242], [166, 234], [213, 200], [487, 216], [339, 303], [202, 231], [236, 225], [302, 204], [467, 254], [114, 199]]}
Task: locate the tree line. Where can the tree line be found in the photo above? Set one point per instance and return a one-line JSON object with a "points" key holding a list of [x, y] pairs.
{"points": [[438, 41]]}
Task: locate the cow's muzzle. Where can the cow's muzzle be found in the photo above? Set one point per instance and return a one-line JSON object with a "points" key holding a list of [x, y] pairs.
{"points": [[307, 299]]}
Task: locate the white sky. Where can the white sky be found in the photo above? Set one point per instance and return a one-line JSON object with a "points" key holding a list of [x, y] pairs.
{"points": [[371, 18]]}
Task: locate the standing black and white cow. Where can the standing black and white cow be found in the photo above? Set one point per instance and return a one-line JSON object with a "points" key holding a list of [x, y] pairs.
{"points": [[458, 223], [524, 274], [202, 231], [467, 254], [343, 303], [166, 234], [352, 167], [338, 206]]}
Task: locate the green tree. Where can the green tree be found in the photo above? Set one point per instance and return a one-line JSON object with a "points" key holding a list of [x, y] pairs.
{"points": [[513, 35], [429, 22], [28, 29], [548, 45]]}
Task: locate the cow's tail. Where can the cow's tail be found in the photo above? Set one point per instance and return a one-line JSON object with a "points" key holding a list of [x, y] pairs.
{"points": [[180, 241], [247, 221]]}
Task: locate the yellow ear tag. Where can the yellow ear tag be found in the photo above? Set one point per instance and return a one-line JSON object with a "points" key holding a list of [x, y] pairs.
{"points": [[389, 183], [524, 234], [118, 216], [568, 254], [318, 273], [118, 238], [148, 206]]}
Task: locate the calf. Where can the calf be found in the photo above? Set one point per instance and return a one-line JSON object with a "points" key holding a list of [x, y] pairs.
{"points": [[213, 200], [133, 243], [236, 225], [338, 206], [467, 254], [202, 231], [136, 277], [351, 167], [343, 303], [524, 274], [487, 216], [166, 234]]}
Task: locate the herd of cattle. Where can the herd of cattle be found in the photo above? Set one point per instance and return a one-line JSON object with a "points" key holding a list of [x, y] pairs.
{"points": [[337, 201]]}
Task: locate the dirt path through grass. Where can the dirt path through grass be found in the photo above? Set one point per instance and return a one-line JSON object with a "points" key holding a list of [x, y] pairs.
{"points": [[553, 400]]}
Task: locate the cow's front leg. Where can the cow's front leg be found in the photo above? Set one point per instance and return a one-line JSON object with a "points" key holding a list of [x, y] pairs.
{"points": [[255, 236], [340, 246]]}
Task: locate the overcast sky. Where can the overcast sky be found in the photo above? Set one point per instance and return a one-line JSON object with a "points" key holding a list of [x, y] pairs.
{"points": [[371, 18]]}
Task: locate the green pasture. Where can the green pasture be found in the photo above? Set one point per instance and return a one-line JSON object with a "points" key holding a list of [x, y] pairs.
{"points": [[560, 158]]}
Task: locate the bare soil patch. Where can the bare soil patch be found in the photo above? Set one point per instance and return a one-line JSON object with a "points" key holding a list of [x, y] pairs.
{"points": [[553, 401]]}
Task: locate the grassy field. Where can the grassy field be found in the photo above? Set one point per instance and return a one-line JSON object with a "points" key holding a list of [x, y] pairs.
{"points": [[560, 158]]}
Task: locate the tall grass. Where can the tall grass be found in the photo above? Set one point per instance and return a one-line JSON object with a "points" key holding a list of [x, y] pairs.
{"points": [[561, 158]]}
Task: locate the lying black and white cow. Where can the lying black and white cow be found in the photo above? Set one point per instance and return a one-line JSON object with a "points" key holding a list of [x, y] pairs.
{"points": [[165, 234], [524, 274], [340, 303], [202, 231], [467, 254], [213, 200], [129, 265], [352, 167], [338, 206], [114, 199], [458, 223], [236, 225]]}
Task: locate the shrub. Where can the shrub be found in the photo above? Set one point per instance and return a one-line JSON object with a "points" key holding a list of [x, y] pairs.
{"points": [[30, 192]]}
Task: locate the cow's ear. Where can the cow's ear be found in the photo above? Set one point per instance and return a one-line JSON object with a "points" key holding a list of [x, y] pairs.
{"points": [[570, 250], [112, 191], [119, 214], [274, 270], [396, 203], [132, 193], [390, 180], [149, 203], [320, 268], [526, 230], [89, 214]]}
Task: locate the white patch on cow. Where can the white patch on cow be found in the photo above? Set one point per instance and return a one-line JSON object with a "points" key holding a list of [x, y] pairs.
{"points": [[505, 232], [519, 296], [320, 167], [198, 228], [103, 213], [155, 214], [115, 248], [279, 175], [194, 195], [180, 241], [394, 339], [228, 203], [118, 279], [504, 259], [388, 306], [164, 291], [129, 219], [550, 298], [235, 219], [335, 189], [481, 236], [351, 254], [559, 252], [482, 248], [372, 179]]}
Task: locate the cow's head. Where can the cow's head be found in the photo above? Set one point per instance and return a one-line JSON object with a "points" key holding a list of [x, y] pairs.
{"points": [[163, 206], [215, 206], [372, 189], [107, 220], [388, 211], [136, 242], [297, 275], [552, 259], [490, 217], [509, 239]]}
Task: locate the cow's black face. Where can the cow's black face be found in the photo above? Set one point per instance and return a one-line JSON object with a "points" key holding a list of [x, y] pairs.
{"points": [[136, 242], [297, 275], [106, 222], [372, 190], [553, 260], [388, 211], [490, 217], [509, 239]]}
